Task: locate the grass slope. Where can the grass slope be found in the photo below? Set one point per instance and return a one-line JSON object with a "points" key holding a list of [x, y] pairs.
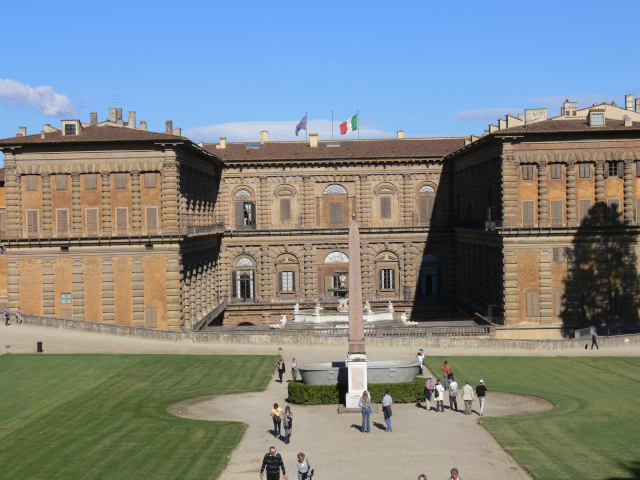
{"points": [[592, 433], [104, 416]]}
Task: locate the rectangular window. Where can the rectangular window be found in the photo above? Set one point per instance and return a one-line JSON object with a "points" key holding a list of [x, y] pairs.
{"points": [[151, 317], [286, 282], [528, 213], [65, 298], [527, 172], [32, 183], [387, 279], [245, 215], [533, 304], [426, 209], [557, 213], [285, 209], [611, 169], [62, 222], [122, 221], [121, 181], [558, 302], [335, 214], [559, 254], [61, 182], [69, 129], [91, 181], [32, 223], [3, 221], [385, 207], [556, 171], [151, 214], [91, 220], [584, 209], [150, 180], [584, 170], [597, 119]]}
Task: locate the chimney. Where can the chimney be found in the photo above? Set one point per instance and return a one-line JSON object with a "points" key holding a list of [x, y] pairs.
{"points": [[638, 105], [177, 131], [400, 134], [169, 127], [94, 118], [534, 115], [264, 136], [313, 140], [223, 143], [628, 102], [112, 115], [22, 131], [143, 125], [119, 116], [42, 134], [132, 120], [627, 121]]}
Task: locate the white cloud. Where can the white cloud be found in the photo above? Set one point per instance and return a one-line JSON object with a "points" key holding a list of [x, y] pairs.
{"points": [[43, 98], [278, 131], [489, 115]]}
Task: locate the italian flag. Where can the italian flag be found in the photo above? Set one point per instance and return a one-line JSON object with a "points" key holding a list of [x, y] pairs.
{"points": [[350, 125]]}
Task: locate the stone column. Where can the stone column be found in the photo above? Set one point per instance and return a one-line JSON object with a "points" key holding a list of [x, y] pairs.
{"points": [[13, 192], [571, 194], [306, 202], [47, 214], [510, 279], [600, 199], [510, 201], [408, 281], [48, 293], [76, 210], [543, 212], [362, 209], [629, 178], [199, 281], [136, 213], [308, 275], [544, 266], [263, 204], [175, 319], [170, 185], [13, 283], [137, 280], [106, 206], [108, 305], [406, 210], [77, 296], [268, 285], [187, 302]]}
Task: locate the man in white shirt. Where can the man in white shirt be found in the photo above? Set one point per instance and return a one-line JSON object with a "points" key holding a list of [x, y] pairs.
{"points": [[467, 396], [453, 394], [386, 409]]}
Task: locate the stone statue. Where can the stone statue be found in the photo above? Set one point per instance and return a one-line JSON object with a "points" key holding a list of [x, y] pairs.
{"points": [[318, 309], [343, 280], [390, 307], [404, 317], [296, 308], [343, 304], [367, 307], [283, 322]]}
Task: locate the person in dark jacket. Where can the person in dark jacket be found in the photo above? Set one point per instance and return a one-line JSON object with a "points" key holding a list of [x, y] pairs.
{"points": [[273, 463], [481, 393]]}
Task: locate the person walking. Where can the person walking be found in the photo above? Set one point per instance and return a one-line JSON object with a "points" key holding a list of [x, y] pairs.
{"points": [[429, 387], [272, 461], [481, 392], [276, 416], [304, 467], [467, 397], [454, 475], [294, 369], [453, 394], [594, 341], [19, 316], [6, 316], [421, 362], [446, 371], [287, 420], [439, 396], [387, 402], [365, 404], [281, 368]]}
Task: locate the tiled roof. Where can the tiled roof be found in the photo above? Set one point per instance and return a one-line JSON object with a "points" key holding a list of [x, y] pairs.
{"points": [[107, 133], [573, 125], [342, 149]]}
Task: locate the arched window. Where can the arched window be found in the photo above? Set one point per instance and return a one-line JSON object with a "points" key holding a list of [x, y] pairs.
{"points": [[386, 266], [335, 189], [284, 204], [245, 210], [243, 280], [426, 197], [336, 257], [335, 205]]}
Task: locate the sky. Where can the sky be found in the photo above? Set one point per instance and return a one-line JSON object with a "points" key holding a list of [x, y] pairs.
{"points": [[235, 68]]}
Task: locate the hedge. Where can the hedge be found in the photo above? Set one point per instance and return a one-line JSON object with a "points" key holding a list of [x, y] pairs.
{"points": [[301, 394]]}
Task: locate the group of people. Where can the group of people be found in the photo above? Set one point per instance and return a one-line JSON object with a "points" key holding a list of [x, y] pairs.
{"points": [[454, 475], [273, 464], [435, 392], [279, 418], [7, 316], [282, 368], [365, 405]]}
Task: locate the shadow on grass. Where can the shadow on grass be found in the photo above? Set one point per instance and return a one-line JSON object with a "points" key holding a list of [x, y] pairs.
{"points": [[633, 469]]}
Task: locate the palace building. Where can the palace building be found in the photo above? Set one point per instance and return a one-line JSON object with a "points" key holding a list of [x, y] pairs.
{"points": [[532, 226]]}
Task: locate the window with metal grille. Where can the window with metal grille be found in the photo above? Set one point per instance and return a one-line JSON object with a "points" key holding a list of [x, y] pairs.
{"points": [[150, 180], [62, 222], [151, 317], [385, 207], [584, 170], [31, 183], [91, 215], [32, 223], [285, 209], [533, 304], [527, 172], [286, 282], [559, 254], [121, 181], [335, 213], [151, 214], [584, 209], [557, 213], [122, 221], [558, 302], [387, 279], [91, 181], [65, 298], [528, 213], [61, 182], [556, 171]]}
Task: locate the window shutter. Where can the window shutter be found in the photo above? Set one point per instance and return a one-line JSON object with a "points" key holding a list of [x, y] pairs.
{"points": [[234, 290], [584, 209], [424, 210], [558, 303], [620, 169], [62, 222], [285, 209], [150, 180], [151, 320], [122, 222], [637, 169], [61, 182], [528, 214], [393, 279], [293, 281], [152, 220], [239, 215], [606, 169], [254, 215], [3, 221], [556, 213], [92, 221], [637, 211], [32, 223], [385, 207], [90, 181], [280, 282], [32, 183], [121, 181]]}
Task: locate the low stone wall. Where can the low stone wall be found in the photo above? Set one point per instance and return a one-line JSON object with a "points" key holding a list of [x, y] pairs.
{"points": [[301, 337]]}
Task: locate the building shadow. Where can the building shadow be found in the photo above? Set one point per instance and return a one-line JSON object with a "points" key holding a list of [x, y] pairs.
{"points": [[601, 284]]}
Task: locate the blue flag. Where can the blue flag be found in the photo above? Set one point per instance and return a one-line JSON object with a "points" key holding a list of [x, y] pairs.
{"points": [[302, 125]]}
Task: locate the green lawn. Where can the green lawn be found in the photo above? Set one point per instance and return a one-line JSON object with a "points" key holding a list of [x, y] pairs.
{"points": [[105, 416], [592, 433]]}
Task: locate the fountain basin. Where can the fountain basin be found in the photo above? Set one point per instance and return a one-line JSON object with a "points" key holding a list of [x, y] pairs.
{"points": [[378, 371]]}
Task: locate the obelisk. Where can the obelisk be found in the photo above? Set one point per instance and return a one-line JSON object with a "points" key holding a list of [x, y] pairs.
{"points": [[356, 359]]}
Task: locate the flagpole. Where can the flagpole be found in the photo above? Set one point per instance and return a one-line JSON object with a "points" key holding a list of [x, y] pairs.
{"points": [[358, 113]]}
